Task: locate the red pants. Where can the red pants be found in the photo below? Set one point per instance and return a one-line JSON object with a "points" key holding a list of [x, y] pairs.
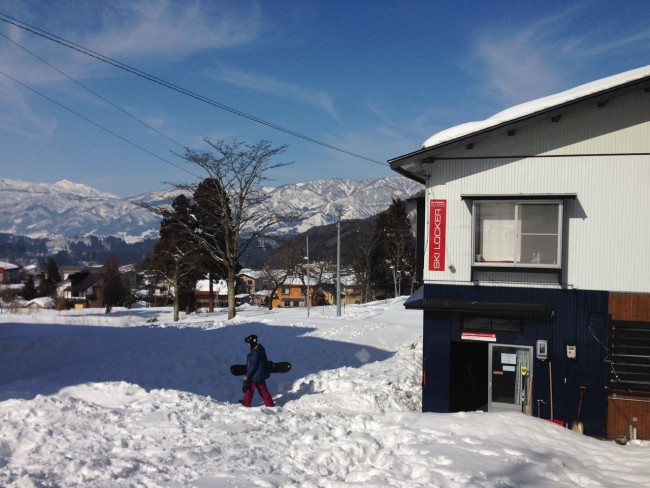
{"points": [[264, 392]]}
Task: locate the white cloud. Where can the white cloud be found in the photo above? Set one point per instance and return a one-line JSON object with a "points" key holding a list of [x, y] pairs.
{"points": [[517, 64], [268, 84], [164, 28]]}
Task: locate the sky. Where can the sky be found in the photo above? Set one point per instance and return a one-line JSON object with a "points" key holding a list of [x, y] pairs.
{"points": [[359, 82], [132, 398]]}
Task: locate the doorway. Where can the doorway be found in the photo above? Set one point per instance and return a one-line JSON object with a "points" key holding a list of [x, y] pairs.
{"points": [[509, 371], [489, 377], [468, 390]]}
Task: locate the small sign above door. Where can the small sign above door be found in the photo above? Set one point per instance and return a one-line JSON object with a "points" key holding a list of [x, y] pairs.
{"points": [[478, 336]]}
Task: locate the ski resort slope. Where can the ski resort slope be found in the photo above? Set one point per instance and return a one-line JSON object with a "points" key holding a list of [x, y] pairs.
{"points": [[134, 399]]}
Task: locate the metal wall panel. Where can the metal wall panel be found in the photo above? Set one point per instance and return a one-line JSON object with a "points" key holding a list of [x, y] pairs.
{"points": [[574, 317], [606, 239]]}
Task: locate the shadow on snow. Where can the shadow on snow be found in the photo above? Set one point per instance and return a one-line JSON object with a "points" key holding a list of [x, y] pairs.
{"points": [[43, 358]]}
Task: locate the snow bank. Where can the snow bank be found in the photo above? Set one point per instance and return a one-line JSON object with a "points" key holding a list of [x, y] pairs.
{"points": [[122, 400]]}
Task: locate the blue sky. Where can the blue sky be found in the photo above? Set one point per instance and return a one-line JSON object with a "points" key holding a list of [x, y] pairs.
{"points": [[374, 78]]}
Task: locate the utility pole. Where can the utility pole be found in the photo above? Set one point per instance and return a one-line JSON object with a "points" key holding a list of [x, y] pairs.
{"points": [[308, 276], [338, 265]]}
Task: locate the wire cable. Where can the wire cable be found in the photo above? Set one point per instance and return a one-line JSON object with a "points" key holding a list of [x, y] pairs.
{"points": [[93, 92], [115, 134], [88, 52]]}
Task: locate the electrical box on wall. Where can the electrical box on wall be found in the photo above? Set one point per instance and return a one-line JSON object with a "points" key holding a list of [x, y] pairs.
{"points": [[541, 349], [571, 352]]}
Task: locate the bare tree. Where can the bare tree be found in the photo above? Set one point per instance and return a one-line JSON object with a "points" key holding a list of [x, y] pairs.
{"points": [[362, 267], [235, 173], [393, 256]]}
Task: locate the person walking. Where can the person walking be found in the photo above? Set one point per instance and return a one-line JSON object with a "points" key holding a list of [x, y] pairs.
{"points": [[257, 371]]}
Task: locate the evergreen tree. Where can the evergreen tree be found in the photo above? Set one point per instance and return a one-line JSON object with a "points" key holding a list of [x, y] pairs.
{"points": [[176, 256], [115, 291], [29, 290], [49, 278], [210, 216]]}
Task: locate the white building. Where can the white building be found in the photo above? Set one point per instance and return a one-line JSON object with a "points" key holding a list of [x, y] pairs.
{"points": [[532, 247]]}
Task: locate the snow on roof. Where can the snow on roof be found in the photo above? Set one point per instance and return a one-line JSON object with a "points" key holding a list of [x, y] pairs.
{"points": [[218, 286], [40, 302], [251, 272], [538, 105]]}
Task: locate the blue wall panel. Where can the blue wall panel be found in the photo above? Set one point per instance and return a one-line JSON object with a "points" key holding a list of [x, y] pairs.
{"points": [[574, 317]]}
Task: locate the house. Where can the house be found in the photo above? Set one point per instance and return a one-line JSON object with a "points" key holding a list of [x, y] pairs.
{"points": [[350, 290], [293, 293], [83, 289], [251, 279], [219, 293], [40, 303], [533, 230], [9, 273]]}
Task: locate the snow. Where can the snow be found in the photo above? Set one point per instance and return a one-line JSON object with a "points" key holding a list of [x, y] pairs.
{"points": [[538, 105], [134, 399], [40, 302]]}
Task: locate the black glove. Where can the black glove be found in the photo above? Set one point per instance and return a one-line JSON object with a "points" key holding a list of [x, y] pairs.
{"points": [[246, 386]]}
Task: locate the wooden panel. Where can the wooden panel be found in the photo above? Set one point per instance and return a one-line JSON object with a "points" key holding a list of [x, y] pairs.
{"points": [[629, 306], [626, 410]]}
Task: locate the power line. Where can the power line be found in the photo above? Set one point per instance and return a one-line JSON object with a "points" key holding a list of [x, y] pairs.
{"points": [[93, 92], [115, 134], [88, 52]]}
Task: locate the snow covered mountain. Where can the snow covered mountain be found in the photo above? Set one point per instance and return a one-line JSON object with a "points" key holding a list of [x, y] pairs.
{"points": [[74, 210]]}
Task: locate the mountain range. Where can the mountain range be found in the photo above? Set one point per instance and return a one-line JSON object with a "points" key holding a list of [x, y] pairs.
{"points": [[66, 209]]}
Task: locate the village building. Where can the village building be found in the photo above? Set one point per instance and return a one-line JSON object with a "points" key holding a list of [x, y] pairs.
{"points": [[293, 293], [533, 230], [82, 288], [10, 273]]}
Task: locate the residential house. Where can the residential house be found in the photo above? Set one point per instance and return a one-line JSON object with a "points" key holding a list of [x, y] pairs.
{"points": [[83, 289], [219, 293], [40, 303], [350, 290], [9, 273], [293, 293], [532, 238]]}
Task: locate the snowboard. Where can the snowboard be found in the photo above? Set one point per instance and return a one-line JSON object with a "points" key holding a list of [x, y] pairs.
{"points": [[280, 367]]}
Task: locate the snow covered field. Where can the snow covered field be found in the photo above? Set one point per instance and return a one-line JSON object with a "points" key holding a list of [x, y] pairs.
{"points": [[134, 399]]}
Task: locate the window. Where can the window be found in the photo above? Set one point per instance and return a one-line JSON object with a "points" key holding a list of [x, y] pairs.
{"points": [[496, 324], [518, 233]]}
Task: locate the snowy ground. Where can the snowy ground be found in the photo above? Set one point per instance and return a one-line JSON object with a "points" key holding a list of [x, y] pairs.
{"points": [[122, 400]]}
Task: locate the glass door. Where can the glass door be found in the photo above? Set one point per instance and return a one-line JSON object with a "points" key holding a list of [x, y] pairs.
{"points": [[509, 372]]}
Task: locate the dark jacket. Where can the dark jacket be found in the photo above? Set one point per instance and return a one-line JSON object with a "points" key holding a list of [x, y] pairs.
{"points": [[257, 365]]}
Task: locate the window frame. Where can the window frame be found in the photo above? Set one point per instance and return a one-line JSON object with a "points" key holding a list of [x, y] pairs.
{"points": [[518, 203], [494, 325]]}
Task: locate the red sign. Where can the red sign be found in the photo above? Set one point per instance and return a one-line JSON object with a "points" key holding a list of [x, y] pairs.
{"points": [[437, 229], [478, 336]]}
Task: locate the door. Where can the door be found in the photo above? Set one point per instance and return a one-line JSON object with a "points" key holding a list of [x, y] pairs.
{"points": [[468, 389], [509, 371]]}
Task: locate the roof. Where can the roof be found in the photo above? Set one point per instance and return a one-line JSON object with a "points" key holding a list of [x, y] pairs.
{"points": [[417, 301], [40, 302], [413, 165], [8, 266], [82, 281]]}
